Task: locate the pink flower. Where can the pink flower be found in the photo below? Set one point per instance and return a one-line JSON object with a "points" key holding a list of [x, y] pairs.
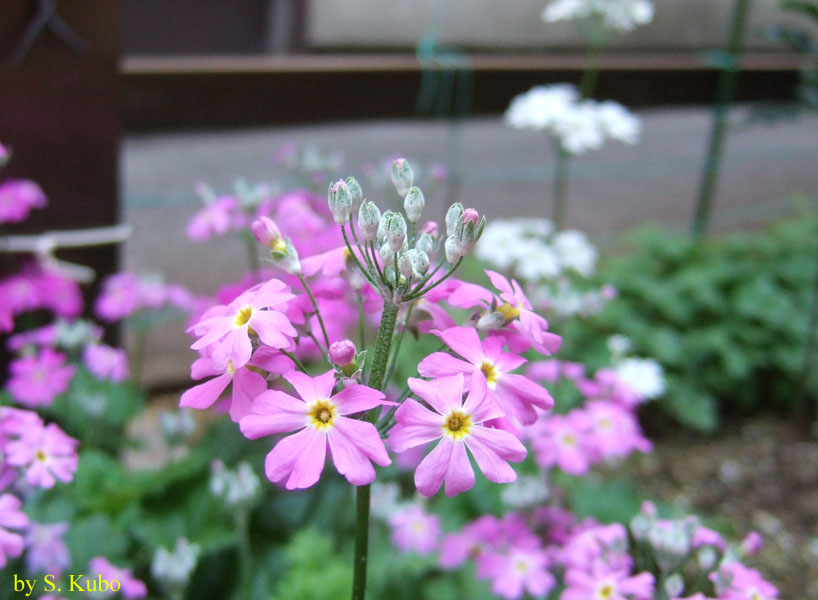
{"points": [[46, 551], [129, 586], [515, 394], [217, 218], [460, 426], [11, 542], [516, 308], [413, 529], [247, 384], [46, 453], [611, 585], [17, 198], [228, 327], [120, 296], [105, 362], [37, 380], [737, 582], [60, 295], [321, 421], [456, 548], [562, 441], [615, 431], [520, 569]]}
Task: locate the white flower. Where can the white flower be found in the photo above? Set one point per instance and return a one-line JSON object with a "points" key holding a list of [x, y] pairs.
{"points": [[618, 122], [620, 15], [539, 262], [575, 251], [541, 106], [175, 568], [643, 375], [525, 491]]}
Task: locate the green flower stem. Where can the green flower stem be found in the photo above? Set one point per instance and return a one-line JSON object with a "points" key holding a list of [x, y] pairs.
{"points": [[417, 295], [423, 281], [365, 272], [383, 342], [560, 180], [358, 244], [317, 310], [361, 320], [376, 263], [294, 358], [393, 363], [728, 80]]}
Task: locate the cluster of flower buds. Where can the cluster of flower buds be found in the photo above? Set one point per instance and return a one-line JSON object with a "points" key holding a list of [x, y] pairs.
{"points": [[392, 251]]}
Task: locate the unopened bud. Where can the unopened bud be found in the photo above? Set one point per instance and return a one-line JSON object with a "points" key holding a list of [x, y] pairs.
{"points": [[425, 244], [340, 201], [355, 191], [451, 250], [413, 204], [453, 217], [491, 321], [406, 266], [369, 218], [402, 176], [751, 544], [420, 260], [395, 231], [268, 234], [468, 231], [342, 354], [387, 255], [288, 259]]}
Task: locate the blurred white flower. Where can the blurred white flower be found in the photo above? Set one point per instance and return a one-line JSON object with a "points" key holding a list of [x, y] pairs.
{"points": [[175, 568], [619, 15], [578, 125], [575, 251], [526, 491], [643, 375]]}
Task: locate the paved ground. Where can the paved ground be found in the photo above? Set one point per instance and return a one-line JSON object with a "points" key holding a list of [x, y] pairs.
{"points": [[505, 173]]}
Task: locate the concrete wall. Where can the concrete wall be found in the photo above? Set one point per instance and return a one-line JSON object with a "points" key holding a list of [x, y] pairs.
{"points": [[515, 24]]}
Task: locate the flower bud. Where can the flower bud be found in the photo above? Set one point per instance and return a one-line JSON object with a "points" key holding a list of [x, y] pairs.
{"points": [[340, 201], [491, 321], [406, 266], [355, 191], [413, 204], [395, 231], [425, 244], [451, 250], [453, 217], [420, 260], [369, 218], [468, 231], [402, 176], [343, 354], [751, 544], [268, 234], [387, 255], [381, 235]]}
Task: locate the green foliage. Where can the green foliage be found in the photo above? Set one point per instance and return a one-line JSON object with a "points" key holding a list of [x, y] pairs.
{"points": [[315, 570], [727, 318]]}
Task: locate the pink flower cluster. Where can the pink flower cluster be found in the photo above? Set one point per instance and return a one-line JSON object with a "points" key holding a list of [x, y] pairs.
{"points": [[34, 289], [125, 293], [603, 428], [17, 198]]}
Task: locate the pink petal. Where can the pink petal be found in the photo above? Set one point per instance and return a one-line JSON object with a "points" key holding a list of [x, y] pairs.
{"points": [[205, 394], [459, 476], [304, 385], [272, 361], [522, 391], [486, 444], [301, 456], [464, 341], [349, 460], [275, 412], [441, 364], [443, 394], [365, 437], [502, 284], [272, 327], [432, 469], [469, 294], [416, 425], [246, 386], [357, 398], [203, 367]]}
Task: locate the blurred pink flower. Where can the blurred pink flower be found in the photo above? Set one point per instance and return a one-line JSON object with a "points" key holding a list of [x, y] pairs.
{"points": [[105, 362], [46, 454], [17, 198], [36, 380], [130, 587], [11, 517], [413, 529]]}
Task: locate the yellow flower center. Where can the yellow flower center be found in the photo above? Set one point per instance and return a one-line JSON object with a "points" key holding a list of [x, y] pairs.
{"points": [[605, 592], [243, 316], [605, 424], [278, 246], [457, 425], [322, 414], [230, 368], [568, 439], [509, 311], [40, 455], [490, 371], [521, 566]]}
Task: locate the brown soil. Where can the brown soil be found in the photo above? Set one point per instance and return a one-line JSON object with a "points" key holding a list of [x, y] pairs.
{"points": [[756, 475]]}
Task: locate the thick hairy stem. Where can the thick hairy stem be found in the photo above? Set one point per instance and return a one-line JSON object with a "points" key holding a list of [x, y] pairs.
{"points": [[376, 381]]}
